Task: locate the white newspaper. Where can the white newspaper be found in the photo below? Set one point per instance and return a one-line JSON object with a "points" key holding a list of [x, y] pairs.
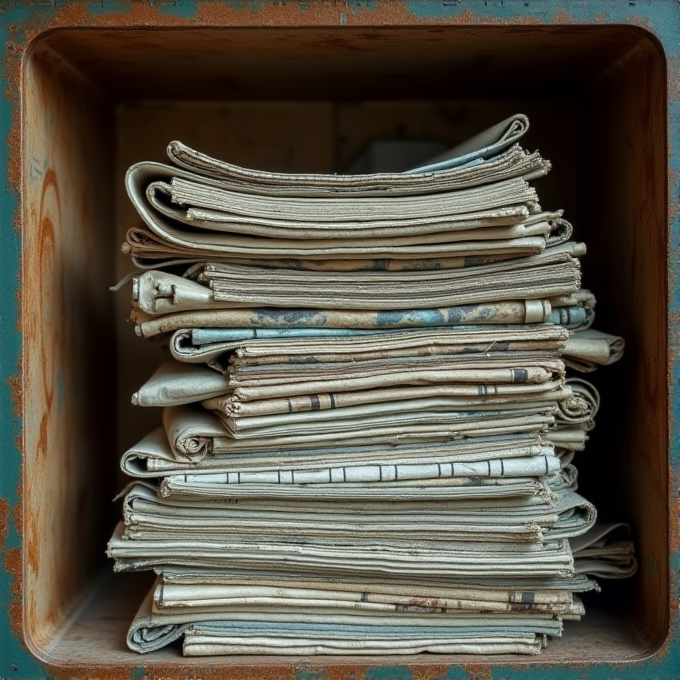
{"points": [[153, 456], [408, 557], [368, 428], [209, 345], [554, 273], [605, 551], [461, 164], [588, 349], [194, 433], [149, 517], [305, 630], [201, 208]]}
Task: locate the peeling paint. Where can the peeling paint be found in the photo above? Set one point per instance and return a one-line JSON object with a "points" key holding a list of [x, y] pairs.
{"points": [[4, 526], [17, 396], [562, 17], [13, 565], [674, 78]]}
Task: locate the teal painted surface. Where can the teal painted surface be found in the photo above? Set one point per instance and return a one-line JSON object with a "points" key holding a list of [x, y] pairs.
{"points": [[316, 674], [137, 674], [15, 661], [662, 17], [187, 10], [389, 673], [456, 673], [105, 6]]}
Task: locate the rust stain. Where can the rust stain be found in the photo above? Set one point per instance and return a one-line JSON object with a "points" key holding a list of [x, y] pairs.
{"points": [[4, 522], [393, 14], [280, 671], [18, 515], [15, 611], [674, 78], [673, 203], [271, 14], [13, 566], [641, 21], [19, 305], [141, 14], [12, 72], [16, 385], [562, 18], [13, 557], [18, 442], [478, 671], [674, 524]]}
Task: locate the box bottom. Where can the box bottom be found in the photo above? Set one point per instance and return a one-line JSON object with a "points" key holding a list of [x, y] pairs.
{"points": [[94, 638]]}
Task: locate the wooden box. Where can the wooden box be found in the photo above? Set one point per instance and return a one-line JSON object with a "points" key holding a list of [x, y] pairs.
{"points": [[90, 87]]}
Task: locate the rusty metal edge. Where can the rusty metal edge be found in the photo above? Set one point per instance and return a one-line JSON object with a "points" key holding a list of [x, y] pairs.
{"points": [[22, 24]]}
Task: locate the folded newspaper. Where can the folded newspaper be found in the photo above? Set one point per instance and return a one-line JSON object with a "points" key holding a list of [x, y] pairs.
{"points": [[200, 208], [309, 625], [153, 456], [554, 273], [504, 312], [369, 420]]}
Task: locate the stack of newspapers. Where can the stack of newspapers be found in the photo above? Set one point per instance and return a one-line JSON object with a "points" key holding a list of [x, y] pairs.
{"points": [[368, 425]]}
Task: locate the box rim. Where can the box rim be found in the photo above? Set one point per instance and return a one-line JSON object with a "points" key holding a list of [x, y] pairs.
{"points": [[37, 22]]}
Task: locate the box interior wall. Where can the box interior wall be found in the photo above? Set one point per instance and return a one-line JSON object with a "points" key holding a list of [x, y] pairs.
{"points": [[95, 101]]}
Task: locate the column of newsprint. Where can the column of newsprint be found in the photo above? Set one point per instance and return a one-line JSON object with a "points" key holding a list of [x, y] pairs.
{"points": [[369, 409]]}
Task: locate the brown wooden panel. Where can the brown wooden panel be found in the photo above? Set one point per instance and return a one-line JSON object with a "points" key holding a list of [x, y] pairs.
{"points": [[294, 99], [69, 357]]}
